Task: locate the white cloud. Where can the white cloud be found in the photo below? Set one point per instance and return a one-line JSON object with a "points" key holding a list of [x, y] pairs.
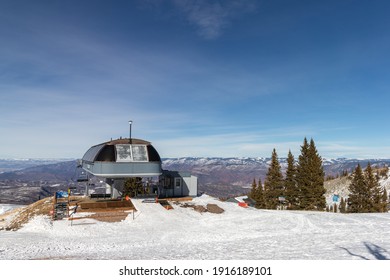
{"points": [[212, 17], [340, 149]]}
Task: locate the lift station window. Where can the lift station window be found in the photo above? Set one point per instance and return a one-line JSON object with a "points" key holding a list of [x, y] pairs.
{"points": [[140, 153], [178, 182], [131, 153]]}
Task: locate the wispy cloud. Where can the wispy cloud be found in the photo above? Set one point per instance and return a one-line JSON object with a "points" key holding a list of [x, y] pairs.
{"points": [[350, 149], [212, 17]]}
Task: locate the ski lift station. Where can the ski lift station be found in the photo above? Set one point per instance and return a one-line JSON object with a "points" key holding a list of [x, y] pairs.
{"points": [[117, 160]]}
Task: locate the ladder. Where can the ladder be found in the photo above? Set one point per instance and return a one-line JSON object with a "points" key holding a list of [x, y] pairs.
{"points": [[60, 207], [60, 210]]}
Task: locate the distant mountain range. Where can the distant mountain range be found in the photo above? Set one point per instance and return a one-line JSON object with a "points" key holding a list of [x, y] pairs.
{"points": [[217, 176], [8, 165], [220, 175]]}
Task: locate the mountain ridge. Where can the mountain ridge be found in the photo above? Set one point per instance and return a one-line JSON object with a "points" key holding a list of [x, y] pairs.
{"points": [[217, 176]]}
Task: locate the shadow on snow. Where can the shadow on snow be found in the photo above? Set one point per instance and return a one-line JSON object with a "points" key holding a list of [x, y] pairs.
{"points": [[378, 252]]}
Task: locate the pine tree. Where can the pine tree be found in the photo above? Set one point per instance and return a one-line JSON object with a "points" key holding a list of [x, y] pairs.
{"points": [[252, 194], [317, 178], [132, 186], [384, 201], [274, 183], [359, 199], [257, 194], [310, 178], [373, 190], [290, 183], [301, 177], [342, 206], [260, 195]]}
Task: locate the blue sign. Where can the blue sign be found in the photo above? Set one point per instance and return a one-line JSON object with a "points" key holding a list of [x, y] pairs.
{"points": [[61, 194]]}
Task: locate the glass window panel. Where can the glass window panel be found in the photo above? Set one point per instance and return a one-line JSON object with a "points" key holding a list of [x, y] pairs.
{"points": [[123, 153], [140, 153]]}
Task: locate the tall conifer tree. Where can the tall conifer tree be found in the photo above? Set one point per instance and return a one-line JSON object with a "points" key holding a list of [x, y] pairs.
{"points": [[260, 195], [310, 178], [302, 176], [291, 190], [373, 190], [257, 194], [252, 194], [274, 183], [359, 201], [384, 201], [317, 178]]}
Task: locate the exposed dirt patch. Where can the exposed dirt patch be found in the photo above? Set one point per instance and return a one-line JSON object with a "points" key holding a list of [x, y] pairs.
{"points": [[15, 219], [109, 216], [212, 208]]}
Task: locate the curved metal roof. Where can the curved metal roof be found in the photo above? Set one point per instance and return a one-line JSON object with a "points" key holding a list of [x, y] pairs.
{"points": [[122, 158], [112, 150]]}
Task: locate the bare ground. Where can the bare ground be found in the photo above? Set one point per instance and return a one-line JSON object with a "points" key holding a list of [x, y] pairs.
{"points": [[15, 219]]}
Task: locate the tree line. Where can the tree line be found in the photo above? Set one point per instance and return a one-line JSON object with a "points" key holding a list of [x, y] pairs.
{"points": [[302, 188], [366, 194]]}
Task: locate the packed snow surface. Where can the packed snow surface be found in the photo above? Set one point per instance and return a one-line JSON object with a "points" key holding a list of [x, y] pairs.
{"points": [[7, 207], [182, 233]]}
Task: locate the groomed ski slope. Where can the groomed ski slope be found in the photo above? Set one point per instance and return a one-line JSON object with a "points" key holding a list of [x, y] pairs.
{"points": [[183, 233]]}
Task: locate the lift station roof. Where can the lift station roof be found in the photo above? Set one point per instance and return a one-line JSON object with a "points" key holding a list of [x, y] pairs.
{"points": [[122, 158]]}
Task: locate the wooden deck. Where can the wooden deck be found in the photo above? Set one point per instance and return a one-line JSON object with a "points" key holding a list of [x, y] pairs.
{"points": [[105, 210]]}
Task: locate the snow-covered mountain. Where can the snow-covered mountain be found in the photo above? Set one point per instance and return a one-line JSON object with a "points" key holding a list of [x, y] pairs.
{"points": [[10, 164], [242, 171], [331, 166]]}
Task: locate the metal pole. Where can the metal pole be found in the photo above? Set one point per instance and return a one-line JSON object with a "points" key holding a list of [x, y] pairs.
{"points": [[130, 123]]}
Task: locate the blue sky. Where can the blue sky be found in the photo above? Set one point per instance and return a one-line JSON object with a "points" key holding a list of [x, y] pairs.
{"points": [[198, 78]]}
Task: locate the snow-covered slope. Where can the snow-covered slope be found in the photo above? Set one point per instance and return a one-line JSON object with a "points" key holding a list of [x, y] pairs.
{"points": [[340, 186], [7, 207], [183, 233]]}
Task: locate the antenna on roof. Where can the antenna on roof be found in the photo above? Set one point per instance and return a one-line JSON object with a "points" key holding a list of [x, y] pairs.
{"points": [[130, 123]]}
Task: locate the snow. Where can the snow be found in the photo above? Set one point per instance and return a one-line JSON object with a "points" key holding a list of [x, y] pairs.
{"points": [[182, 233], [7, 207]]}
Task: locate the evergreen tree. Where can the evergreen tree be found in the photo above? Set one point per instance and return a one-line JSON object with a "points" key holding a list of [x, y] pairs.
{"points": [[317, 178], [252, 194], [132, 186], [342, 206], [301, 175], [260, 195], [291, 189], [257, 194], [373, 190], [310, 178], [274, 183], [359, 199], [384, 201]]}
